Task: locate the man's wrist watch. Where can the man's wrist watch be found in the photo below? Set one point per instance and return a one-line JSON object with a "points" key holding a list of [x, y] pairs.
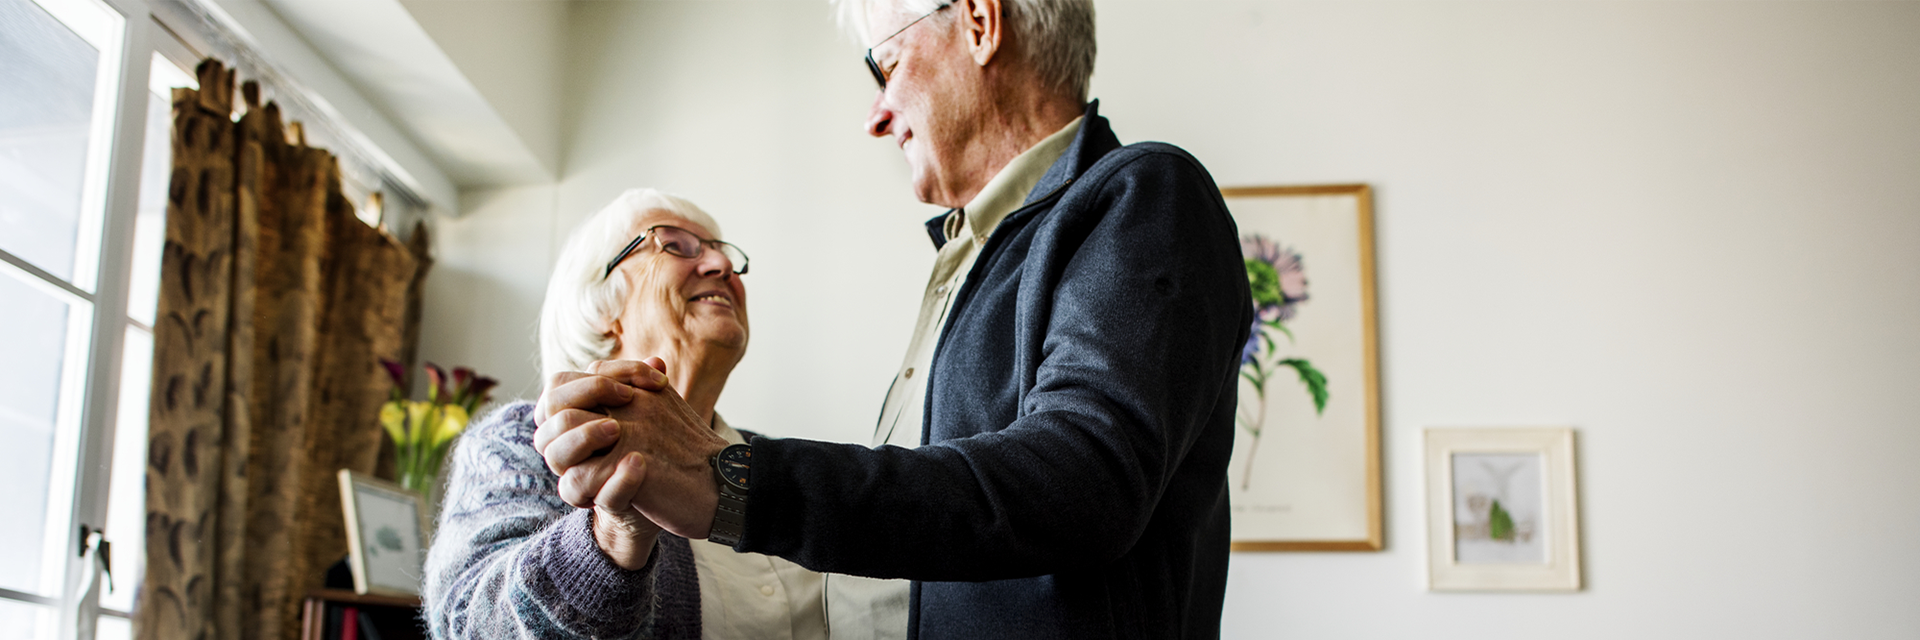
{"points": [[733, 471]]}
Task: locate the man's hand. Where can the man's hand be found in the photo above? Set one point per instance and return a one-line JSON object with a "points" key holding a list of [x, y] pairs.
{"points": [[620, 430]]}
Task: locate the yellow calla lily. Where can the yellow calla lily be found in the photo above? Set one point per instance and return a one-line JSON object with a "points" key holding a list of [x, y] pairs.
{"points": [[393, 416], [420, 415], [453, 420]]}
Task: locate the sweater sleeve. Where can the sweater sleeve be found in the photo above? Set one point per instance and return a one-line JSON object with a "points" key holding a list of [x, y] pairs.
{"points": [[509, 559]]}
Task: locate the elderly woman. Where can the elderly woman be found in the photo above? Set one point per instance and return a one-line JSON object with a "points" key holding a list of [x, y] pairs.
{"points": [[644, 277]]}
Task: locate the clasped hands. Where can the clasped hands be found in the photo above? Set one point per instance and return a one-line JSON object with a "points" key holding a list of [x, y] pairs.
{"points": [[625, 444]]}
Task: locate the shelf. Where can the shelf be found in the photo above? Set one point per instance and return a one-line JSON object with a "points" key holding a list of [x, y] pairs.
{"points": [[394, 617]]}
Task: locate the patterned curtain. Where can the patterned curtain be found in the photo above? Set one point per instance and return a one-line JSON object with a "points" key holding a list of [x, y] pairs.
{"points": [[276, 306]]}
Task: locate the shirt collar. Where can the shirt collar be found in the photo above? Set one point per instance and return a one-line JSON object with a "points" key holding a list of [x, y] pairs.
{"points": [[726, 431], [1008, 189]]}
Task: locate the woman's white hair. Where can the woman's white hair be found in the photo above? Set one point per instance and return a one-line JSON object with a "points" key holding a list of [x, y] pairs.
{"points": [[581, 302], [1057, 35]]}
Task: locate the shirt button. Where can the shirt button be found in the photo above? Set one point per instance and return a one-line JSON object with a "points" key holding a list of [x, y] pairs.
{"points": [[766, 589], [941, 290], [909, 373]]}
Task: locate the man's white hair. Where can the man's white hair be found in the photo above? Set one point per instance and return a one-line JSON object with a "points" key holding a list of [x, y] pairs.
{"points": [[1057, 35], [581, 303]]}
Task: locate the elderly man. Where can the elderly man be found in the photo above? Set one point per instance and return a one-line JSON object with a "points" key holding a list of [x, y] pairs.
{"points": [[1071, 381]]}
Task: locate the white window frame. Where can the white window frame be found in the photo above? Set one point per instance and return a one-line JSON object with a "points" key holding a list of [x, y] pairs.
{"points": [[98, 293]]}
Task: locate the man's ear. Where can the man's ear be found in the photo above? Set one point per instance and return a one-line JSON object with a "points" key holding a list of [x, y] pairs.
{"points": [[984, 27]]}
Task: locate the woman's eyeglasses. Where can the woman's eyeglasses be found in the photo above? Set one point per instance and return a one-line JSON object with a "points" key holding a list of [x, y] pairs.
{"points": [[681, 242]]}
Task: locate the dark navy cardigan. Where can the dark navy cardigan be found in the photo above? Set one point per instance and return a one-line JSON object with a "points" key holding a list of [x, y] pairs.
{"points": [[1072, 479]]}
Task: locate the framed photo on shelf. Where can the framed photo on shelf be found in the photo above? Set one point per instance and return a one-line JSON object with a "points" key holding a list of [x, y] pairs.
{"points": [[1501, 511], [385, 523], [1305, 472]]}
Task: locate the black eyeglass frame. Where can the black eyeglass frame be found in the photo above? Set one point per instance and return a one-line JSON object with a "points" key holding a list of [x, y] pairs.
{"points": [[874, 67], [739, 268]]}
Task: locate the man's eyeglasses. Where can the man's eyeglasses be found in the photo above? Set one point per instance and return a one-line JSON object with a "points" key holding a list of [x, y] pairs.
{"points": [[681, 242], [881, 76]]}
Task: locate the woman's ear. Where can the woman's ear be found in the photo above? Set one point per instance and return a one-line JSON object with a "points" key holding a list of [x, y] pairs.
{"points": [[613, 333]]}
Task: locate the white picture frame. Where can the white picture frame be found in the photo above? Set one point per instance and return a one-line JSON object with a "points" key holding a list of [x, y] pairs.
{"points": [[385, 535], [1477, 543]]}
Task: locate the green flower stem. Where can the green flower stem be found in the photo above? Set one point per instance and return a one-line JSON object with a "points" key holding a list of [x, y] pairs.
{"points": [[1246, 479]]}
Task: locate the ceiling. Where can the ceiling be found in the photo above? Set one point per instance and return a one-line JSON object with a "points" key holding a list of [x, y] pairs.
{"points": [[473, 84]]}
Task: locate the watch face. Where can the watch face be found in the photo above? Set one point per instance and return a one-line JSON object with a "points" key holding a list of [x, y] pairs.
{"points": [[735, 463]]}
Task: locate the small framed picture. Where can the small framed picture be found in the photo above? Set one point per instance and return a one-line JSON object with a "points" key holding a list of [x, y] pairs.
{"points": [[387, 551], [1501, 512]]}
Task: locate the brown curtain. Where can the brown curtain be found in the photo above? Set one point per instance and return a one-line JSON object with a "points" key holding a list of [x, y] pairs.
{"points": [[276, 307]]}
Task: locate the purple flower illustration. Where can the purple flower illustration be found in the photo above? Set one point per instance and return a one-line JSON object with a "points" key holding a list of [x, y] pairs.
{"points": [[1277, 280]]}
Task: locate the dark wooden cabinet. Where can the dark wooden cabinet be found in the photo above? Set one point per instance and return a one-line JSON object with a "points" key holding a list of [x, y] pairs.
{"points": [[391, 617]]}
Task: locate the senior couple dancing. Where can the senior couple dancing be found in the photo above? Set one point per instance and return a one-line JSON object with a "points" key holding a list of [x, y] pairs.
{"points": [[1049, 461]]}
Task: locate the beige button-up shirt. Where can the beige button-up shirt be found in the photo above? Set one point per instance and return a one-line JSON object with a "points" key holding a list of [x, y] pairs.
{"points": [[872, 609], [748, 595]]}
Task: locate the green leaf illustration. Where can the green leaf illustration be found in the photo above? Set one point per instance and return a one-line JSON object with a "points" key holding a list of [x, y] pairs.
{"points": [[388, 538], [1316, 382], [1264, 281], [1500, 523], [1275, 324]]}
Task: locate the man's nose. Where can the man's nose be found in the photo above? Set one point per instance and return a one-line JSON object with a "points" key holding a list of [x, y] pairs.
{"points": [[879, 117]]}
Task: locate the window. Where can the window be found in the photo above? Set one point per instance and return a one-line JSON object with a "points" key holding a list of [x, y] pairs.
{"points": [[85, 161], [80, 239], [126, 491]]}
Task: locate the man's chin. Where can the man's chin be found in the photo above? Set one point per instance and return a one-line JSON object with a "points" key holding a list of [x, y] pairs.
{"points": [[923, 189]]}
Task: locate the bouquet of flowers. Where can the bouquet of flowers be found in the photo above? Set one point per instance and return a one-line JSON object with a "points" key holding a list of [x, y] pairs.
{"points": [[423, 430]]}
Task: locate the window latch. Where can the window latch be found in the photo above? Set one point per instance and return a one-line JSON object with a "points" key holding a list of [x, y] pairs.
{"points": [[96, 540]]}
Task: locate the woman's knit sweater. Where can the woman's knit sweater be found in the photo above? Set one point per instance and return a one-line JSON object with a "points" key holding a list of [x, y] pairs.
{"points": [[511, 560]]}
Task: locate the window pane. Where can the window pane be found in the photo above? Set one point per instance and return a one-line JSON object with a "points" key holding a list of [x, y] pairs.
{"points": [[23, 621], [46, 118], [33, 334], [150, 226], [112, 628], [126, 499]]}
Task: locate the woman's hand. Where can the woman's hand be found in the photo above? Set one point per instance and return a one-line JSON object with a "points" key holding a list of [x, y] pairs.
{"points": [[572, 413], [624, 534], [593, 426]]}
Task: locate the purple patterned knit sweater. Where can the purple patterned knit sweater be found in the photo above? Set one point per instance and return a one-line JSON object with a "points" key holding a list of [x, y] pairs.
{"points": [[510, 560]]}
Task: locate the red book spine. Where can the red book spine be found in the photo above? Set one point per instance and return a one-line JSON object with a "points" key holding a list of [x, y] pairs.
{"points": [[350, 627]]}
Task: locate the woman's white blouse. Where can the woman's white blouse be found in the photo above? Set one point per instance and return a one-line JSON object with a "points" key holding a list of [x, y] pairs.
{"points": [[748, 595]]}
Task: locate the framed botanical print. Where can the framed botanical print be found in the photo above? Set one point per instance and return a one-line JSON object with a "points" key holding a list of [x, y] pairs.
{"points": [[1305, 473]]}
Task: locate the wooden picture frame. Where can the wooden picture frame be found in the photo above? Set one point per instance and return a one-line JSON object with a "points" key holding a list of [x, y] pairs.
{"points": [[385, 535], [1531, 542], [1305, 473]]}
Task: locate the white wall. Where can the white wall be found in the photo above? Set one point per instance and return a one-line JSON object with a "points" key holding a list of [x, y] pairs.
{"points": [[483, 293], [1685, 229], [510, 50]]}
